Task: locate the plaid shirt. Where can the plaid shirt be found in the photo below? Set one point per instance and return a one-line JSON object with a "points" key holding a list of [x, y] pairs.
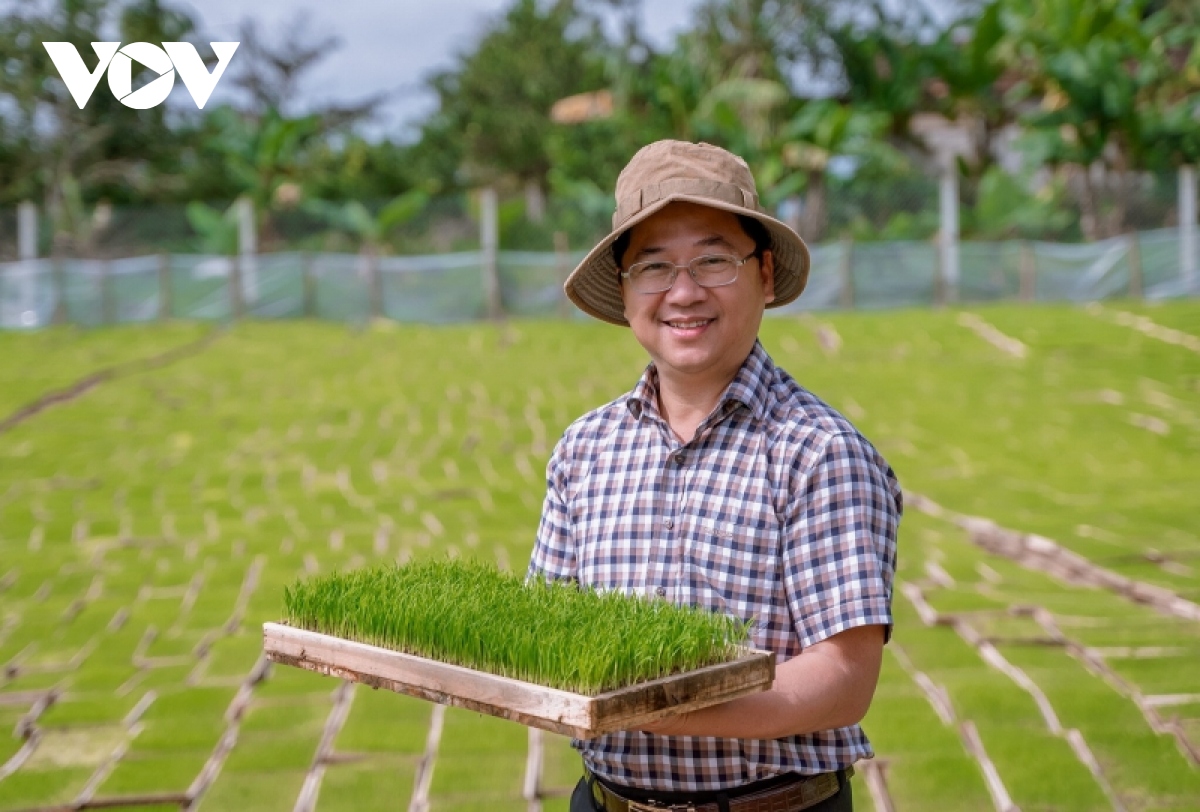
{"points": [[778, 510]]}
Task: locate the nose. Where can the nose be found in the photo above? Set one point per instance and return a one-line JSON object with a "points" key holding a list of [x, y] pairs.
{"points": [[685, 291]]}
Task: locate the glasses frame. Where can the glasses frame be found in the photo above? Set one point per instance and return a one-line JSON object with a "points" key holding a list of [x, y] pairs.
{"points": [[737, 268]]}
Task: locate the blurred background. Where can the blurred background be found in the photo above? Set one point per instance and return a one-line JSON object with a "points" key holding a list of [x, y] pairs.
{"points": [[319, 323], [958, 139]]}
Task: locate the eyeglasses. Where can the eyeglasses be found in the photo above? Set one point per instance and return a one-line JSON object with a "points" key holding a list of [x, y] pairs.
{"points": [[708, 271]]}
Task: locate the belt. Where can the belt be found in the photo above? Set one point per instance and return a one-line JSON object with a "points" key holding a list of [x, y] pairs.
{"points": [[806, 791]]}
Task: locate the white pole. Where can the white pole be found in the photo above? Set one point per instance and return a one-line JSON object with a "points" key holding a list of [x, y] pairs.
{"points": [[247, 249], [24, 302], [948, 198], [1187, 227], [489, 238], [26, 230]]}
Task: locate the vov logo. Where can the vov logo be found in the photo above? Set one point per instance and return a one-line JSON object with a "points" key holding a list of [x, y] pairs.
{"points": [[165, 61]]}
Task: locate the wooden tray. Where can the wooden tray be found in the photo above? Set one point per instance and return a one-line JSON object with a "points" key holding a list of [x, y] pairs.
{"points": [[533, 705]]}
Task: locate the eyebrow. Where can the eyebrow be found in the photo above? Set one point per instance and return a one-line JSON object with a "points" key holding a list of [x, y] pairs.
{"points": [[707, 242]]}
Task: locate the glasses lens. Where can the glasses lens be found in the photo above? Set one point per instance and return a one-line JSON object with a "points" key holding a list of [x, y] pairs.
{"points": [[651, 277], [709, 271], [714, 270]]}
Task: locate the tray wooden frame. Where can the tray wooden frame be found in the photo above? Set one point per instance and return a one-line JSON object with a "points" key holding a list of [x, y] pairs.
{"points": [[564, 712]]}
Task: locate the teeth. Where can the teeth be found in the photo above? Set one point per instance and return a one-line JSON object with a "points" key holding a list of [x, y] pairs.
{"points": [[684, 325]]}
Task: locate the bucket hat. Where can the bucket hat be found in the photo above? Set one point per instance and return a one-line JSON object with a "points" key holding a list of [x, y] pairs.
{"points": [[669, 171]]}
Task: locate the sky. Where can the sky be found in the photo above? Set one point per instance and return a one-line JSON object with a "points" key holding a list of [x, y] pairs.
{"points": [[389, 46]]}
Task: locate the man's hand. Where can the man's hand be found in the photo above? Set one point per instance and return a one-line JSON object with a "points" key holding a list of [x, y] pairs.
{"points": [[829, 685]]}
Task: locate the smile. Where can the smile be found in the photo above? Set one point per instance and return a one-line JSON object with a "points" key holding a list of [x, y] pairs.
{"points": [[689, 324]]}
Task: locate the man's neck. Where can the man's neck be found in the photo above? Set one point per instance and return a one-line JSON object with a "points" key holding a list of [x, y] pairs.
{"points": [[685, 403]]}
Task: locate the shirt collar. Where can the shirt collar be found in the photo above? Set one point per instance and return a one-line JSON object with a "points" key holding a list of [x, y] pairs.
{"points": [[749, 387], [752, 385]]}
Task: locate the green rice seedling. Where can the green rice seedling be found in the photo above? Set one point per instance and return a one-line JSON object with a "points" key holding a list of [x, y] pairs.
{"points": [[472, 614]]}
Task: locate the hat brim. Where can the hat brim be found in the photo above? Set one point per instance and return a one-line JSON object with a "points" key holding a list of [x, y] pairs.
{"points": [[594, 287]]}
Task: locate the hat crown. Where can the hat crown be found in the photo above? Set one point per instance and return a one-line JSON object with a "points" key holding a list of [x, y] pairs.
{"points": [[669, 171], [681, 167]]}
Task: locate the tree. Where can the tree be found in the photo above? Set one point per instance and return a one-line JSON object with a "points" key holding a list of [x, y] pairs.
{"points": [[354, 168], [265, 147], [745, 114], [495, 103], [70, 157], [657, 95], [882, 57], [1085, 65], [372, 229], [1170, 107], [257, 156], [745, 39], [155, 21], [270, 74], [821, 131], [969, 81]]}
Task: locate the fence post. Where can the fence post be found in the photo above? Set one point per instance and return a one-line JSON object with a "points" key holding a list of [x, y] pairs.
{"points": [[375, 284], [1187, 227], [26, 230], [27, 250], [247, 248], [1136, 282], [107, 309], [938, 288], [165, 294], [310, 285], [489, 238], [58, 281], [1027, 274], [948, 242], [846, 275], [562, 264], [235, 287]]}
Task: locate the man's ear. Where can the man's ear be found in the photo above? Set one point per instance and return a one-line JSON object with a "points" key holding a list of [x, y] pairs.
{"points": [[767, 272]]}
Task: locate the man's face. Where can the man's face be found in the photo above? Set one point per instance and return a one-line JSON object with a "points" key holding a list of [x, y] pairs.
{"points": [[694, 334]]}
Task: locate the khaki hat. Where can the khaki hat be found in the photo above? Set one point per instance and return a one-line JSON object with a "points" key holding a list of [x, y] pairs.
{"points": [[667, 171]]}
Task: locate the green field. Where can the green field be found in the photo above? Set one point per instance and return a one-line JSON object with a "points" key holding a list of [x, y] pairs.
{"points": [[149, 525]]}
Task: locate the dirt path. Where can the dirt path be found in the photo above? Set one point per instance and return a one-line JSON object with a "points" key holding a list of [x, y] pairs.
{"points": [[91, 381], [1041, 554], [1147, 326]]}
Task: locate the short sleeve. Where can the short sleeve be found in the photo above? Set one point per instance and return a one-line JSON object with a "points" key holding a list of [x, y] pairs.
{"points": [[553, 556], [839, 544]]}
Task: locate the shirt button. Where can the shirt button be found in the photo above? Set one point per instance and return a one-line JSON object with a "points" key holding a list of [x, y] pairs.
{"points": [[668, 523], [677, 459], [661, 591]]}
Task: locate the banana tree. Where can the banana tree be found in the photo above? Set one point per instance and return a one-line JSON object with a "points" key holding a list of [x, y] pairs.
{"points": [[888, 58], [746, 112], [372, 230], [1085, 64], [1171, 104], [77, 226], [970, 79], [821, 131], [261, 154], [216, 231]]}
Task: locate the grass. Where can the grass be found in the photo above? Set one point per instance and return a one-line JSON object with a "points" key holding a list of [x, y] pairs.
{"points": [[37, 363], [474, 615], [386, 724], [188, 497]]}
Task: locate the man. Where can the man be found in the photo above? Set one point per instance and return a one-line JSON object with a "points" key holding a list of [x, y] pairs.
{"points": [[719, 482]]}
